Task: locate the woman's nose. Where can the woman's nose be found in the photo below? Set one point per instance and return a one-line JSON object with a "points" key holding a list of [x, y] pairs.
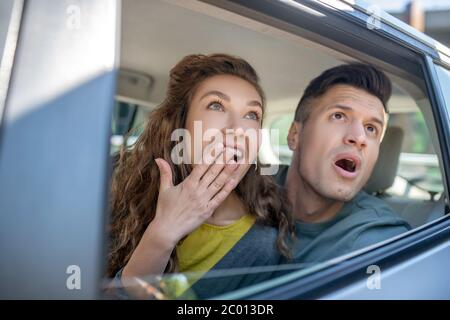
{"points": [[233, 135], [234, 125]]}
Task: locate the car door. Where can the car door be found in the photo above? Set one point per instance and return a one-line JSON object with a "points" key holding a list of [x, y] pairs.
{"points": [[54, 146]]}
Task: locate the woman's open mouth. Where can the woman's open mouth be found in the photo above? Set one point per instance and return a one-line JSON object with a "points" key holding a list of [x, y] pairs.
{"points": [[237, 154]]}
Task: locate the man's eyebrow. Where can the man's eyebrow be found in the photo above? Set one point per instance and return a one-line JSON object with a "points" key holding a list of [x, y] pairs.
{"points": [[221, 95], [347, 108], [377, 120]]}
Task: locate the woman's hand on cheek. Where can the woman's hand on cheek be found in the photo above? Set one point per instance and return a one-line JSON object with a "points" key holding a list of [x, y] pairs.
{"points": [[183, 208]]}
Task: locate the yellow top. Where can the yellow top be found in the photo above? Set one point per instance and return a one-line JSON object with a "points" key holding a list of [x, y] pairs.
{"points": [[205, 246]]}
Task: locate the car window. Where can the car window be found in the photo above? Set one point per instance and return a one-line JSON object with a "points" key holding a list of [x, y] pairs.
{"points": [[281, 124], [419, 175], [127, 123], [417, 187]]}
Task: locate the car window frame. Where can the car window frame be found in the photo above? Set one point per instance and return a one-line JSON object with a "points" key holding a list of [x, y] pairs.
{"points": [[8, 38]]}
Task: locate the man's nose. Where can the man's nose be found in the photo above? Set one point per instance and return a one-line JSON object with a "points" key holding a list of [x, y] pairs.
{"points": [[356, 136]]}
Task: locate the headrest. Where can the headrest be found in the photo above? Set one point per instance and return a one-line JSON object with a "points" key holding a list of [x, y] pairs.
{"points": [[385, 170]]}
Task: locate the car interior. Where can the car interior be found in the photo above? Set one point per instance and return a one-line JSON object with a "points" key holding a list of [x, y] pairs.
{"points": [[408, 174]]}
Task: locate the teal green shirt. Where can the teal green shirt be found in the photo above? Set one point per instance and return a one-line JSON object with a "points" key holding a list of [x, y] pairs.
{"points": [[363, 221]]}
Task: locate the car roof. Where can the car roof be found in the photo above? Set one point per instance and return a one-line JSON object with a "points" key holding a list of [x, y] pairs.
{"points": [[360, 6], [147, 50]]}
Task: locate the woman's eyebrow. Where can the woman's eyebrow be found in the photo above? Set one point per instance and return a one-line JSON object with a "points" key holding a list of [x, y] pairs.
{"points": [[221, 95], [254, 103], [225, 97]]}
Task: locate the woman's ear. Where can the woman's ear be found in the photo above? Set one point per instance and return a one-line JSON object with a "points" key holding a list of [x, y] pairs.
{"points": [[293, 138]]}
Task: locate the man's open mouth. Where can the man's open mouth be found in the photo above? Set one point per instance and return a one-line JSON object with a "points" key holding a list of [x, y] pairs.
{"points": [[348, 165]]}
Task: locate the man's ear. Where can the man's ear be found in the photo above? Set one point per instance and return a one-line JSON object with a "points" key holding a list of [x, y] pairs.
{"points": [[293, 138]]}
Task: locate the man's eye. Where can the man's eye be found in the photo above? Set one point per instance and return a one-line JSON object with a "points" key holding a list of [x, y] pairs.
{"points": [[252, 115], [215, 106], [371, 129], [337, 115]]}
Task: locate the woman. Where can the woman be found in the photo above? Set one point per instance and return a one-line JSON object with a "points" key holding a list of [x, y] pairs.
{"points": [[187, 217]]}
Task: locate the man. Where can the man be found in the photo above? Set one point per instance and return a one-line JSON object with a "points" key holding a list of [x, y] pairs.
{"points": [[335, 138]]}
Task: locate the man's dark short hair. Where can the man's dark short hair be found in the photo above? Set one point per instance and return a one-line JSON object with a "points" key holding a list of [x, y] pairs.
{"points": [[358, 75]]}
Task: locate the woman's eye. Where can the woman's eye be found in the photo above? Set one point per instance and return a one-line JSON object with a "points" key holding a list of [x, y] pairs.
{"points": [[337, 115], [215, 106], [252, 115]]}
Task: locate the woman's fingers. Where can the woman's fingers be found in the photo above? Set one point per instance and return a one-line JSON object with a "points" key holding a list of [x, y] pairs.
{"points": [[221, 195], [217, 168], [218, 183], [165, 173], [208, 159]]}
